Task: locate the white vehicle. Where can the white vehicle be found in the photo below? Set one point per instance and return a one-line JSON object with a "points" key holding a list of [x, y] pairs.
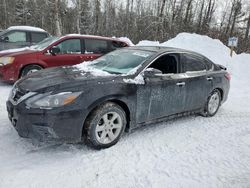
{"points": [[21, 36]]}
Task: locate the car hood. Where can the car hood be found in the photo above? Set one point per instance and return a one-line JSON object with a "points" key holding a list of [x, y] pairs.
{"points": [[59, 78], [17, 52]]}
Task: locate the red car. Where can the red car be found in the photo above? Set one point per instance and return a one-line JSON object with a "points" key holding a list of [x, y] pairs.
{"points": [[55, 51]]}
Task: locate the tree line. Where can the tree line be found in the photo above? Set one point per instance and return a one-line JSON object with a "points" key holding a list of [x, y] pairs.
{"points": [[136, 19]]}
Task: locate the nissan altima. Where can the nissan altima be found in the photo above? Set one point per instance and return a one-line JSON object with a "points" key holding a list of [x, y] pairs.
{"points": [[98, 101]]}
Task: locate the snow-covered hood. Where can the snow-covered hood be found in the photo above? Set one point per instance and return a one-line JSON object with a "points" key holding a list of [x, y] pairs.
{"points": [[61, 77]]}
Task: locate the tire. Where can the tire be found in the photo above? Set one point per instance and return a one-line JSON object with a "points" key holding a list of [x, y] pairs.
{"points": [[99, 128], [213, 104], [30, 69]]}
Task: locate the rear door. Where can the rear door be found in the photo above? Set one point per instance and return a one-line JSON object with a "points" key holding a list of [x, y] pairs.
{"points": [[94, 48], [70, 53], [197, 85], [37, 37]]}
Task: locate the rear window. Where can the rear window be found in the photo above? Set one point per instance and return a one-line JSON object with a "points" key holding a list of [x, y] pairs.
{"points": [[96, 46], [209, 64], [37, 37], [192, 63]]}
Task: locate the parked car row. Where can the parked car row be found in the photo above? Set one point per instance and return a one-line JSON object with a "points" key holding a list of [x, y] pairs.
{"points": [[55, 51]]}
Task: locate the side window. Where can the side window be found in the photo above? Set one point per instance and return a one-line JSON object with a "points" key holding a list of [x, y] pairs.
{"points": [[96, 46], [37, 37], [117, 44], [193, 63], [209, 64], [167, 64], [70, 46], [17, 36]]}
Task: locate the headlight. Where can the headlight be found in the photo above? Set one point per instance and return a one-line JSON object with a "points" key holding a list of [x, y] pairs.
{"points": [[48, 101], [6, 60]]}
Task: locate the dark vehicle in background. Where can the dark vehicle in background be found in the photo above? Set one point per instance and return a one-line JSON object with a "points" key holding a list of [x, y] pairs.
{"points": [[116, 92], [55, 51], [21, 36]]}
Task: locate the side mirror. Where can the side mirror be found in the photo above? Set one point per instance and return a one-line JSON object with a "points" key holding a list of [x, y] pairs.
{"points": [[150, 72], [54, 50], [4, 39]]}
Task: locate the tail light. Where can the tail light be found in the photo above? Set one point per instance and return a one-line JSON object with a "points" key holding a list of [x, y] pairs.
{"points": [[228, 76]]}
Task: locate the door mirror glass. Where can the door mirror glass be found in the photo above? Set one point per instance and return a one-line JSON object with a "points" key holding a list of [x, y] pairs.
{"points": [[150, 72], [54, 50]]}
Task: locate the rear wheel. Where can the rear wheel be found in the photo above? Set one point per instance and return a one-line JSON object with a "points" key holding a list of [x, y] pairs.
{"points": [[105, 125], [30, 69], [213, 104]]}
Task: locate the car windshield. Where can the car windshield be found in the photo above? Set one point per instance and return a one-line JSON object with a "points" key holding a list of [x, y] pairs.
{"points": [[44, 43], [121, 61]]}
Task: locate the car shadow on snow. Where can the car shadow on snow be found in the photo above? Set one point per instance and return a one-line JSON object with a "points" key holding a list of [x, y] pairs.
{"points": [[6, 84]]}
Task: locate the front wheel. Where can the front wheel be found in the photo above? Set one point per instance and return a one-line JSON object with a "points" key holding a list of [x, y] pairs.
{"points": [[213, 104], [105, 125], [30, 69]]}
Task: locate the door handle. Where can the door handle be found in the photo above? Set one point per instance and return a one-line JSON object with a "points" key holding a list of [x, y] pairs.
{"points": [[181, 84], [209, 78]]}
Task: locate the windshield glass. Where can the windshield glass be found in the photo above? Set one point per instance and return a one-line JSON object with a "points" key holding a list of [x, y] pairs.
{"points": [[44, 43], [121, 61]]}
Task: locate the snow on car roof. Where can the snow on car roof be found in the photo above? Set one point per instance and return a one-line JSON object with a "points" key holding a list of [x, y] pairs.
{"points": [[93, 36], [29, 28]]}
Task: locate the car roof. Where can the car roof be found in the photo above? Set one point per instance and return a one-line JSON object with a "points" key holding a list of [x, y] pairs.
{"points": [[162, 49], [92, 37], [26, 28]]}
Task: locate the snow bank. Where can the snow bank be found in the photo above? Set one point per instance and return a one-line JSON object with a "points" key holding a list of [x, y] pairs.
{"points": [[29, 28], [213, 49]]}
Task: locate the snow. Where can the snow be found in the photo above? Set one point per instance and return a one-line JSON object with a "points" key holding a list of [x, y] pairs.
{"points": [[198, 43], [84, 66], [148, 43], [213, 49], [190, 151], [127, 40], [29, 28], [137, 80], [124, 39]]}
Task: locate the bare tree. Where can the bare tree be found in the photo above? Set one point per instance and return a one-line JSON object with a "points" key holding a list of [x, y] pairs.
{"points": [[57, 20]]}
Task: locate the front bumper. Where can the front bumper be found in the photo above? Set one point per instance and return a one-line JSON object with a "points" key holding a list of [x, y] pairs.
{"points": [[47, 125], [7, 73]]}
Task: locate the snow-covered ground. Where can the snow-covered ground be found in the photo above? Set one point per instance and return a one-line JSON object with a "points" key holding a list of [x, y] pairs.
{"points": [[187, 152]]}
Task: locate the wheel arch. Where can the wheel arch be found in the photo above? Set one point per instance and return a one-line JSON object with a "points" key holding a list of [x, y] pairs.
{"points": [[221, 93], [26, 65], [117, 101]]}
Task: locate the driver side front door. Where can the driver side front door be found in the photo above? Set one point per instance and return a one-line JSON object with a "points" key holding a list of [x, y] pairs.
{"points": [[162, 94]]}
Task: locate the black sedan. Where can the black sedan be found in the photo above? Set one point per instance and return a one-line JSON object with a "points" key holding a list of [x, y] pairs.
{"points": [[97, 101]]}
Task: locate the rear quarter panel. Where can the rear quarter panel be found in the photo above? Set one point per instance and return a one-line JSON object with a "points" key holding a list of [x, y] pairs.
{"points": [[220, 82]]}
